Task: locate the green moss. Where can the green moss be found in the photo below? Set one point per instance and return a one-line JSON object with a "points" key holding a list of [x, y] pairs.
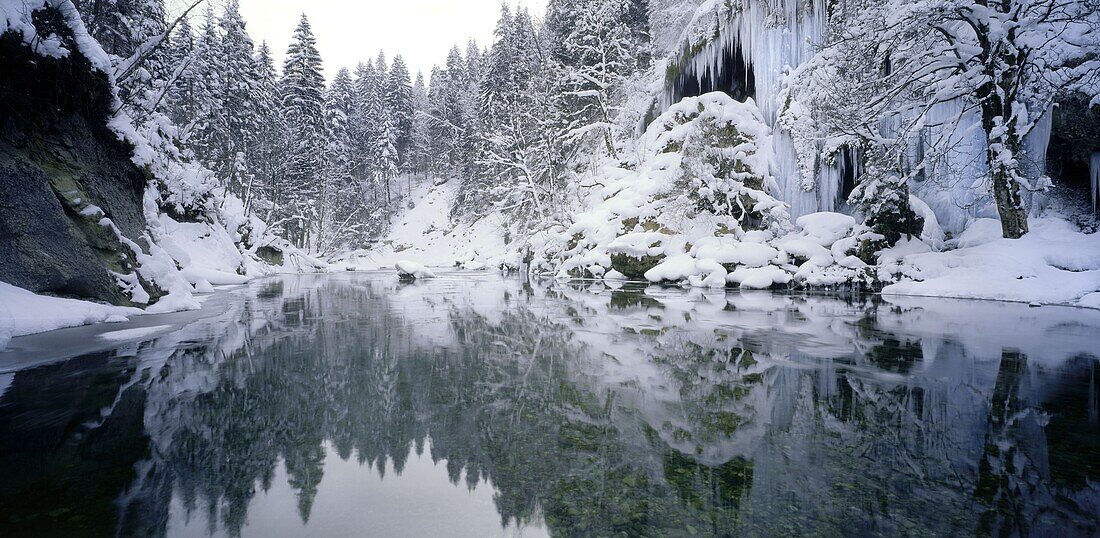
{"points": [[633, 266], [868, 248], [270, 254]]}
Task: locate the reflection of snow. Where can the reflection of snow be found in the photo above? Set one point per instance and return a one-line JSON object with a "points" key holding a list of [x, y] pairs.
{"points": [[133, 334]]}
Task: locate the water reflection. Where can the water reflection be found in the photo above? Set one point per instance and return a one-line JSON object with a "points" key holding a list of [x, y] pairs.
{"points": [[568, 408]]}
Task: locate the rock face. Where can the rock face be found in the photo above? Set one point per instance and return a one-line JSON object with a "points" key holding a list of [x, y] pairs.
{"points": [[61, 172]]}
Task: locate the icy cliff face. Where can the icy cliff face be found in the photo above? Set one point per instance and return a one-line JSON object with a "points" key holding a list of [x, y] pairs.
{"points": [[770, 38], [749, 49], [753, 49]]}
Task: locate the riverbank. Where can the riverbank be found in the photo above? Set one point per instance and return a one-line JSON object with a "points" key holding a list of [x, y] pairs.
{"points": [[984, 276]]}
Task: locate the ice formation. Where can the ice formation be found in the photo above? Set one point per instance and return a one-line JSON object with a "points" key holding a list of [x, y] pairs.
{"points": [[750, 50]]}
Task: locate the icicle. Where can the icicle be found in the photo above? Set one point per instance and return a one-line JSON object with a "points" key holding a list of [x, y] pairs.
{"points": [[1094, 177], [770, 38], [1034, 162], [955, 170]]}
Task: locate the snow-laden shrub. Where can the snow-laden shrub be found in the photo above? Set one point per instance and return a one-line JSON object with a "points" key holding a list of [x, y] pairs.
{"points": [[700, 172], [722, 170]]}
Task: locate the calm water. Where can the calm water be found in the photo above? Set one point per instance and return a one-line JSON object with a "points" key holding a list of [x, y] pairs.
{"points": [[476, 405]]}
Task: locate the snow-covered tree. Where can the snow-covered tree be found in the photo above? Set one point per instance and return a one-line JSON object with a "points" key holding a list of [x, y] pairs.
{"points": [[234, 118], [366, 127], [606, 44], [887, 65], [420, 141], [398, 99], [302, 88], [122, 26], [267, 152], [179, 100], [200, 133], [340, 212]]}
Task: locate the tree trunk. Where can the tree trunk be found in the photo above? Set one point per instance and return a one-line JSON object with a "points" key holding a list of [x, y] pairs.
{"points": [[1006, 192], [1003, 139]]}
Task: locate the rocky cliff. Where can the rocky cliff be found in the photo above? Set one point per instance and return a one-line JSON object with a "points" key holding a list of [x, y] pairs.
{"points": [[62, 173]]}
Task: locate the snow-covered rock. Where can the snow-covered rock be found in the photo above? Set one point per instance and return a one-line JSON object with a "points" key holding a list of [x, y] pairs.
{"points": [[411, 270], [758, 278]]}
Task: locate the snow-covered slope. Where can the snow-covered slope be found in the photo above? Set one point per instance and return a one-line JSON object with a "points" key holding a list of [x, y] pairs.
{"points": [[426, 233], [138, 224]]}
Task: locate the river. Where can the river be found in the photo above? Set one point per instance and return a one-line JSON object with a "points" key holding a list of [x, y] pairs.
{"points": [[477, 404]]}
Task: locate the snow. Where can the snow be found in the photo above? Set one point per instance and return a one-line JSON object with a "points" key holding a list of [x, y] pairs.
{"points": [[16, 16], [1053, 264], [727, 251], [133, 334], [758, 278], [673, 269], [23, 312], [426, 234], [413, 270], [826, 228]]}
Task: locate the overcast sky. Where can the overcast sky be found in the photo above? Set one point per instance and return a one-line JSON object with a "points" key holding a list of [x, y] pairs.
{"points": [[348, 31]]}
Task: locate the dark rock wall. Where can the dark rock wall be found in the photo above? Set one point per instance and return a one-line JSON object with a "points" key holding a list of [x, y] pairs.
{"points": [[57, 157]]}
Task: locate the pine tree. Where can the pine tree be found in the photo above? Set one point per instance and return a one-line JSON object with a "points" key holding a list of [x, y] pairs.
{"points": [[386, 168], [450, 113], [341, 200], [179, 101], [302, 88], [237, 117], [268, 150], [420, 138], [511, 161], [368, 132], [200, 134], [399, 109], [496, 86], [121, 26]]}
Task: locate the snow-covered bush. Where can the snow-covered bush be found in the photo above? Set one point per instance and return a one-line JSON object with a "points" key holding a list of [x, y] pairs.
{"points": [[700, 173]]}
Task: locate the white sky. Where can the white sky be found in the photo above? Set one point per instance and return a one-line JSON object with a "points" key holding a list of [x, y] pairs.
{"points": [[348, 31]]}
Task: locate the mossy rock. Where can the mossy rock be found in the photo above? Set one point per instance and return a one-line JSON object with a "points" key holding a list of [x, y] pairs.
{"points": [[632, 266], [629, 224], [57, 158], [270, 254]]}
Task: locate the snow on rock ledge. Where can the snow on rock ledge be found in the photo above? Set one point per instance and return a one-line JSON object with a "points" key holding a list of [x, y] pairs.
{"points": [[23, 312], [701, 175]]}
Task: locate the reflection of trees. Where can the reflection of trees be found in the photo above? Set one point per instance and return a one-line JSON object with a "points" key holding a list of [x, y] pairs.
{"points": [[1021, 486], [741, 433]]}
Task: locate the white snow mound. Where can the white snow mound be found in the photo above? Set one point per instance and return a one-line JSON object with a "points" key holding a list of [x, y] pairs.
{"points": [[412, 269]]}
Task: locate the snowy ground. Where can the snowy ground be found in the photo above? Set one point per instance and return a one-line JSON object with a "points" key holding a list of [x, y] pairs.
{"points": [[194, 257], [425, 233], [1053, 264], [23, 312]]}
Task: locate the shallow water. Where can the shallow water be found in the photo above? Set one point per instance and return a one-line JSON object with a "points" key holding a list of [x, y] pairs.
{"points": [[476, 405]]}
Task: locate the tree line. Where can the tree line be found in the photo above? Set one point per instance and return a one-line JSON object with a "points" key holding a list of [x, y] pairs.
{"points": [[328, 164]]}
